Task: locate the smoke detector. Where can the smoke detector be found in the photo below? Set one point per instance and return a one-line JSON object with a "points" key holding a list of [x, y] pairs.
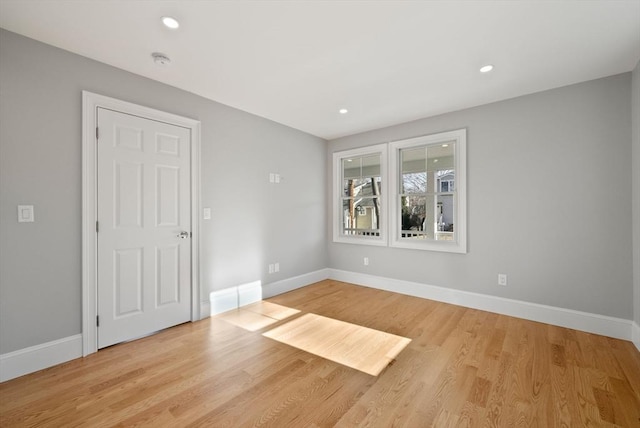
{"points": [[160, 58]]}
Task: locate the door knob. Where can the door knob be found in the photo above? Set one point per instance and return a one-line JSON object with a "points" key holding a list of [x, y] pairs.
{"points": [[183, 235]]}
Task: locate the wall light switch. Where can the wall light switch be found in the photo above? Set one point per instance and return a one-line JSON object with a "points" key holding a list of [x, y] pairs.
{"points": [[25, 214], [206, 213], [502, 279], [274, 177]]}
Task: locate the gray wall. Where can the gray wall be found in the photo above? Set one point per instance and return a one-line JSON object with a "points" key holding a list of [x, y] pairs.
{"points": [[559, 226], [254, 223], [549, 185], [635, 115]]}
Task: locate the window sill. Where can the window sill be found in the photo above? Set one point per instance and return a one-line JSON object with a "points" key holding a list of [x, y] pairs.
{"points": [[377, 241], [442, 246]]}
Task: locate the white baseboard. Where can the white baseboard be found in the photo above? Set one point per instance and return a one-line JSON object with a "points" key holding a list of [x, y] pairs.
{"points": [[249, 293], [28, 360], [636, 335], [592, 323], [34, 358], [242, 295], [223, 300], [290, 284], [205, 310]]}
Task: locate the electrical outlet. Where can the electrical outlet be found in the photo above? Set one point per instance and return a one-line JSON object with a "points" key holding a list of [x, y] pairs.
{"points": [[25, 214], [271, 267], [366, 261], [502, 279], [276, 267]]}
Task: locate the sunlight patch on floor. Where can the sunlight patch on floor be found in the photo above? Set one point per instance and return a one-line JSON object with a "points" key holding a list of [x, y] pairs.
{"points": [[271, 310], [257, 315], [358, 347]]}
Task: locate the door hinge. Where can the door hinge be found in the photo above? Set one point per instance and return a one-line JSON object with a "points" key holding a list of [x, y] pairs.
{"points": [[97, 320], [97, 133], [97, 227]]}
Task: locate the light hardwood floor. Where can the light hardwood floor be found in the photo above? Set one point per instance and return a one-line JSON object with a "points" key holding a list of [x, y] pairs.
{"points": [[463, 367]]}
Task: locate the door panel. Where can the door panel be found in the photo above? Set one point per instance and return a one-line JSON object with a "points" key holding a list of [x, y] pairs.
{"points": [[128, 194], [168, 276], [128, 137], [144, 277], [128, 282], [168, 201], [168, 144]]}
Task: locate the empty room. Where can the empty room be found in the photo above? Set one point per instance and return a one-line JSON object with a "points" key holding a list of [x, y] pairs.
{"points": [[319, 213]]}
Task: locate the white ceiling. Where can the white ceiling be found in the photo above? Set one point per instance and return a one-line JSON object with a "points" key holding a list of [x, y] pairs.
{"points": [[388, 62]]}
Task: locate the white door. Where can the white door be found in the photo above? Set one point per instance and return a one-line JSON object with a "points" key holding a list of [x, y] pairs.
{"points": [[144, 248]]}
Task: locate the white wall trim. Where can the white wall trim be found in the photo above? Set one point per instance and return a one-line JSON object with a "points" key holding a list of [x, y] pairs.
{"points": [[584, 321], [205, 310], [242, 295], [293, 283], [38, 357], [636, 335], [249, 293], [28, 360], [90, 104], [223, 300]]}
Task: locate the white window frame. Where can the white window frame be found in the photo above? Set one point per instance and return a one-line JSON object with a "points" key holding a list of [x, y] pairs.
{"points": [[459, 245], [338, 236]]}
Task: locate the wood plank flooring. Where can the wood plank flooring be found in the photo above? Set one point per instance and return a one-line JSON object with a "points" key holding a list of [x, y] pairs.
{"points": [[463, 367], [352, 345]]}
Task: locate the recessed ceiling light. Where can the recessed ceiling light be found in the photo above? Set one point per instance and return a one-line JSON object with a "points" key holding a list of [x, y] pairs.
{"points": [[435, 160], [487, 68], [445, 145], [343, 111], [170, 22]]}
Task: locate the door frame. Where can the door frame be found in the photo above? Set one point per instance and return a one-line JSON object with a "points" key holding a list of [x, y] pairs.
{"points": [[90, 104]]}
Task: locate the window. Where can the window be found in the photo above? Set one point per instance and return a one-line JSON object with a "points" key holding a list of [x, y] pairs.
{"points": [[445, 185], [425, 192], [360, 207], [428, 181]]}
